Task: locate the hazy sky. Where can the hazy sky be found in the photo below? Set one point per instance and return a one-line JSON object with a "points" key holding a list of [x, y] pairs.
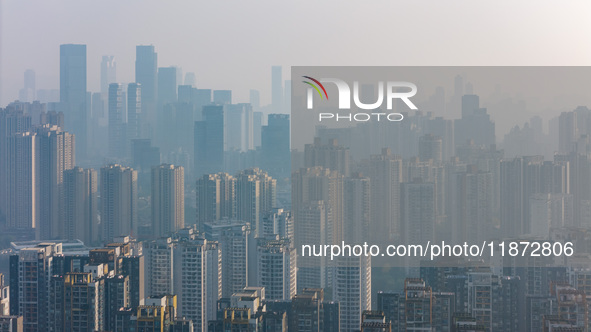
{"points": [[233, 44]]}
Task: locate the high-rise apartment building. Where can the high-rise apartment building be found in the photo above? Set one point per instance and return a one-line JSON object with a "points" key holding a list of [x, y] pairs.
{"points": [[523, 177], [431, 148], [320, 184], [356, 208], [277, 222], [197, 279], [255, 196], [81, 205], [332, 156], [352, 290], [385, 172], [55, 154], [157, 262], [471, 201], [74, 302], [118, 201], [310, 313], [30, 273], [19, 181], [168, 199], [190, 267], [115, 296], [216, 198], [311, 228], [233, 238], [11, 123], [276, 268]]}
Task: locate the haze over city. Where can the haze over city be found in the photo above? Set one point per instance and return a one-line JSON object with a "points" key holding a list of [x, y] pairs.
{"points": [[163, 168], [231, 45]]}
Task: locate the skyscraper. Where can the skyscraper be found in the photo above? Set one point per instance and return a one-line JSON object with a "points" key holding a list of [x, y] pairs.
{"points": [[523, 177], [116, 295], [11, 123], [20, 185], [118, 204], [352, 289], [275, 146], [73, 92], [255, 196], [209, 141], [257, 126], [32, 174], [238, 127], [168, 199], [108, 73], [55, 154], [233, 237], [73, 302], [167, 82], [197, 279], [30, 273], [385, 172], [196, 266], [134, 111], [312, 227], [144, 155], [475, 123], [417, 215], [133, 265], [216, 198], [222, 97], [201, 97], [276, 268], [117, 125], [255, 99], [356, 208], [146, 74], [567, 131], [332, 156], [190, 79], [158, 261], [430, 148], [315, 184], [277, 222], [471, 202], [81, 205]]}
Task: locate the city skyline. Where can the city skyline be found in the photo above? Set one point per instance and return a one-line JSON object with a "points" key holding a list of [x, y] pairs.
{"points": [[162, 173]]}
